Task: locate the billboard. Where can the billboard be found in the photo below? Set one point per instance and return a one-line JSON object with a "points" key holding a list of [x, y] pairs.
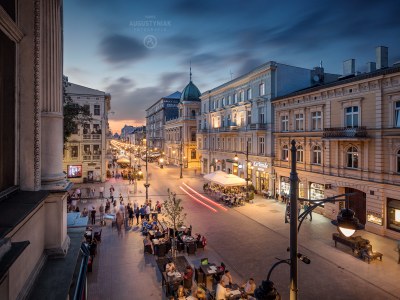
{"points": [[74, 171]]}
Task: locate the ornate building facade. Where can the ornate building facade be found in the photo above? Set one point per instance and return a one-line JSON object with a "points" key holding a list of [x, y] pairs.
{"points": [[348, 140], [156, 115], [33, 208], [180, 133], [237, 120], [85, 152]]}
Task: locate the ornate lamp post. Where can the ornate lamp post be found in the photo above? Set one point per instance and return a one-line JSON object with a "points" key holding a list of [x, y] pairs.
{"points": [[346, 222], [147, 184], [247, 168]]}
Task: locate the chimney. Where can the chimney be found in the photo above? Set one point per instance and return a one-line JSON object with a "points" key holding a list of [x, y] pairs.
{"points": [[381, 57], [349, 67], [371, 67]]}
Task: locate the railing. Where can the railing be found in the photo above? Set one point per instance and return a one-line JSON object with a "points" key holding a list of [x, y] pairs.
{"points": [[96, 157], [80, 291], [87, 136], [96, 136], [87, 157], [345, 132], [257, 126]]}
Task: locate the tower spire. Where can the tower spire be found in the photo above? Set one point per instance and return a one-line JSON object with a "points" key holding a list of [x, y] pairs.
{"points": [[190, 73]]}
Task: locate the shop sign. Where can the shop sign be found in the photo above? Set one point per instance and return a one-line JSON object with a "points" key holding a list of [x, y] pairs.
{"points": [[374, 217], [91, 164], [260, 164]]}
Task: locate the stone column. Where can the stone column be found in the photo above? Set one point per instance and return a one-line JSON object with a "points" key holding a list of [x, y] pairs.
{"points": [[52, 176]]}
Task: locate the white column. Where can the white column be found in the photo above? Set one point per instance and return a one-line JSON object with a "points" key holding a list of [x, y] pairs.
{"points": [[52, 176]]}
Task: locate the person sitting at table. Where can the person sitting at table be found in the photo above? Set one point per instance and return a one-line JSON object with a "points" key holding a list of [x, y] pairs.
{"points": [[158, 234], [200, 294], [180, 293], [222, 293], [249, 286], [227, 279], [170, 267], [198, 237], [188, 278]]}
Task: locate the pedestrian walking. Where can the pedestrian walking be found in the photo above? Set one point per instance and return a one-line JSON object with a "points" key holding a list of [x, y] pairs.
{"points": [[142, 212], [130, 214], [101, 191], [112, 191], [101, 211], [137, 215], [119, 220], [147, 210], [108, 205], [93, 215]]}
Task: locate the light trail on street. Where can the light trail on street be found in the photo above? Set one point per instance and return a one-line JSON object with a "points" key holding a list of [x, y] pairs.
{"points": [[205, 198], [201, 202]]}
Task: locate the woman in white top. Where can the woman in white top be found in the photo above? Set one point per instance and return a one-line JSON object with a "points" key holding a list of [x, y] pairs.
{"points": [[221, 292]]}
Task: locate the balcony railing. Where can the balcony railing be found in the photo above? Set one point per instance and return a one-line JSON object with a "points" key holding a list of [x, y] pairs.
{"points": [[96, 157], [87, 157], [258, 126], [96, 136], [87, 136], [345, 132]]}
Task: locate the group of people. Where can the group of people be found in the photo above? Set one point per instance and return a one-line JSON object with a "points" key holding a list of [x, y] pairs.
{"points": [[225, 285]]}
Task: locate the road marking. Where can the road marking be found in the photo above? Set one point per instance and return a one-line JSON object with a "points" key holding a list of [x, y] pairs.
{"points": [[201, 202], [205, 198]]}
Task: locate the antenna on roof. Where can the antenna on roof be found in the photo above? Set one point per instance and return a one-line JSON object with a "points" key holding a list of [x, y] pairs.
{"points": [[190, 75]]}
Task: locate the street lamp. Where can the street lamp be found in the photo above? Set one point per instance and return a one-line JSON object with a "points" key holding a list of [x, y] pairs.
{"points": [[346, 222], [147, 184], [181, 155], [161, 160]]}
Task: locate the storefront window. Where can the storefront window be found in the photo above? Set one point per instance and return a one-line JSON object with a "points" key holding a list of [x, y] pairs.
{"points": [[285, 185], [317, 191], [393, 214]]}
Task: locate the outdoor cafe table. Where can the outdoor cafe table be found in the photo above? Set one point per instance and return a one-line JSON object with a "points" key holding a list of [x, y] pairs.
{"points": [[209, 270], [171, 280], [235, 292]]}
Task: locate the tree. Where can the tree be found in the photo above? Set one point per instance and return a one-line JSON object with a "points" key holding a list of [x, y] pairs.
{"points": [[173, 211], [74, 115]]}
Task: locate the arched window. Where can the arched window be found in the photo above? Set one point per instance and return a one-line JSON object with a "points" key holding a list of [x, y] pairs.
{"points": [[300, 154], [352, 158], [316, 155], [398, 161], [285, 152]]}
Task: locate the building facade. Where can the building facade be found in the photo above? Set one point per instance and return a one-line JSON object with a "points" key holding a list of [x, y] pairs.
{"points": [[33, 198], [180, 133], [156, 115], [85, 158], [236, 120], [348, 140]]}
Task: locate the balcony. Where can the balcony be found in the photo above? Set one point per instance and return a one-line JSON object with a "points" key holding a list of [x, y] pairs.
{"points": [[96, 136], [345, 133], [96, 157], [87, 137], [87, 157], [258, 126]]}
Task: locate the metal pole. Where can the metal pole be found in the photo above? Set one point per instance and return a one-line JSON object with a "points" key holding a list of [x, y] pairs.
{"points": [[293, 223], [181, 152], [247, 170], [147, 175]]}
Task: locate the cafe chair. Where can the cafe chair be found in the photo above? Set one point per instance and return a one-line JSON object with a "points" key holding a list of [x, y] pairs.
{"points": [[199, 277], [191, 248]]}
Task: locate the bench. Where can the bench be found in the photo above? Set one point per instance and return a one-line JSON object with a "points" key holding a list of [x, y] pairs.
{"points": [[356, 243], [367, 253]]}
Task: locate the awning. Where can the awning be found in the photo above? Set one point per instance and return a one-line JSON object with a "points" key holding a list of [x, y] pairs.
{"points": [[225, 179]]}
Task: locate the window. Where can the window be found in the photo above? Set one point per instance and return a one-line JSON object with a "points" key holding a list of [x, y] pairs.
{"points": [[241, 96], [193, 113], [261, 88], [97, 110], [86, 128], [242, 119], [261, 145], [199, 144], [228, 142], [222, 102], [249, 117], [229, 100], [285, 153], [86, 150], [249, 144], [352, 117], [261, 115], [316, 117], [299, 121], [96, 150], [242, 144], [234, 98], [228, 120], [86, 107], [193, 136], [249, 94], [74, 151], [96, 129], [352, 158], [218, 144], [205, 143], [397, 114], [316, 155], [398, 161], [193, 154], [300, 154], [285, 123]]}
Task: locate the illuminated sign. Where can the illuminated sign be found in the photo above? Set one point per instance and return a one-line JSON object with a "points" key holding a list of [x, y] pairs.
{"points": [[74, 171], [260, 164]]}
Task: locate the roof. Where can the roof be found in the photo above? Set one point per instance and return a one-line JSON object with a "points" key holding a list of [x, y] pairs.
{"points": [[190, 93], [176, 95], [72, 88], [341, 81]]}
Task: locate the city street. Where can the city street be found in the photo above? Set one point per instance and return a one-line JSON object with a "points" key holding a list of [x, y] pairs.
{"points": [[248, 240]]}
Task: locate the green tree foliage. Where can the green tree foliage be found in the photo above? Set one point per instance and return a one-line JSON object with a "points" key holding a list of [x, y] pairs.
{"points": [[74, 115]]}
